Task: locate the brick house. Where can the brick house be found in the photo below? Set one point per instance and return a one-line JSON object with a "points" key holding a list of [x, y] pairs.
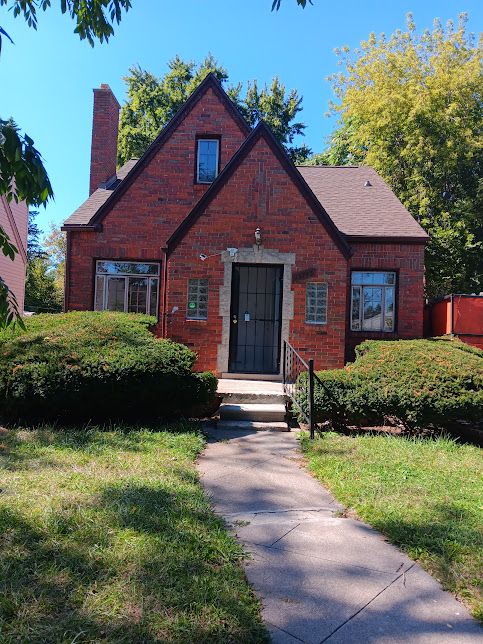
{"points": [[235, 249], [14, 221]]}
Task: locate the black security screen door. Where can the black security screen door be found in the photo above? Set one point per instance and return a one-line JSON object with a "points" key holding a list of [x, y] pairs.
{"points": [[256, 313]]}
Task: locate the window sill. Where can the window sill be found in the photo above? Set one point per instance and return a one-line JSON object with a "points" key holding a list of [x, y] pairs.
{"points": [[363, 332]]}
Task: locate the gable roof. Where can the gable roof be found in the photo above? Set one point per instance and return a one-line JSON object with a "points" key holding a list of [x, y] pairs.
{"points": [[358, 210], [86, 211], [261, 131], [101, 204]]}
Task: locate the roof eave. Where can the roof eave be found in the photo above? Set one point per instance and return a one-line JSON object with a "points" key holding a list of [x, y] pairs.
{"points": [[386, 239], [91, 227]]}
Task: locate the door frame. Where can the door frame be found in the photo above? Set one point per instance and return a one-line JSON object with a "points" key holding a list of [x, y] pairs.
{"points": [[280, 270], [254, 255]]}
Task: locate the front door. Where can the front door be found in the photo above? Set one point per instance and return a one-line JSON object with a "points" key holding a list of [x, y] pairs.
{"points": [[256, 315]]}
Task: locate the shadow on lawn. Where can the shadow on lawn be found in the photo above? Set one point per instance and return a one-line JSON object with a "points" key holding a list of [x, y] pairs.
{"points": [[143, 563], [446, 545], [19, 447]]}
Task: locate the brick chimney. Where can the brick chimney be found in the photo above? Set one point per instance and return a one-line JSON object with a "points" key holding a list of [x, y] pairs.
{"points": [[105, 126]]}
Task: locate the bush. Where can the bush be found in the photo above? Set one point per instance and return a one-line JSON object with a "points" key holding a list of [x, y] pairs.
{"points": [[417, 382], [97, 366]]}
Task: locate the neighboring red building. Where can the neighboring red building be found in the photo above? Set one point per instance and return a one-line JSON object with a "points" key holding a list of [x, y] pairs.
{"points": [[234, 249], [14, 221], [460, 316]]}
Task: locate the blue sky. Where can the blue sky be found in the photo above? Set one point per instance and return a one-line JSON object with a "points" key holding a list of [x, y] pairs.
{"points": [[46, 79]]}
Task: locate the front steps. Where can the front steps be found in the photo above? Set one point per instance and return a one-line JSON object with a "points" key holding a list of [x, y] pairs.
{"points": [[252, 405]]}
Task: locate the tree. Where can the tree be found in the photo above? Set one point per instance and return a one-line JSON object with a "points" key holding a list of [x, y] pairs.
{"points": [[279, 111], [34, 248], [54, 246], [89, 15], [44, 287], [303, 3], [41, 292], [22, 173], [152, 101], [411, 106]]}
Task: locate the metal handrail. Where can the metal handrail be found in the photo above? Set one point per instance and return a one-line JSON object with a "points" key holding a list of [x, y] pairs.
{"points": [[296, 389]]}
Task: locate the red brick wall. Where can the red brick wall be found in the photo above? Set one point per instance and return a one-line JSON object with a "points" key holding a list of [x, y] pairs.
{"points": [[105, 126], [260, 193], [153, 206], [408, 261]]}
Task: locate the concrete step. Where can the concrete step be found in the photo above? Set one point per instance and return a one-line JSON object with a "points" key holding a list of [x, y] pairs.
{"points": [[249, 425], [257, 412], [251, 397]]}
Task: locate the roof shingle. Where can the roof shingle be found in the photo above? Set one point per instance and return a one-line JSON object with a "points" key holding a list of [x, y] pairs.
{"points": [[358, 209], [84, 213]]}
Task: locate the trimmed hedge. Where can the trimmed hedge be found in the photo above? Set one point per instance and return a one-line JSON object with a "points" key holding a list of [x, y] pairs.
{"points": [[419, 383], [90, 365]]}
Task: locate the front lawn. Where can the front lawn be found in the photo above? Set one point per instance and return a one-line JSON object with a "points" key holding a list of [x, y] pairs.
{"points": [[107, 536], [425, 495]]}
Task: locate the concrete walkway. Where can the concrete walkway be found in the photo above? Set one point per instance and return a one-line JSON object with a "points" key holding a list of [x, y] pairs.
{"points": [[321, 578]]}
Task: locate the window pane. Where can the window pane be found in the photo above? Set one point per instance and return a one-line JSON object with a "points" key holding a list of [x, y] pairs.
{"points": [[116, 287], [99, 302], [127, 268], [389, 309], [197, 305], [153, 297], [372, 310], [207, 160], [316, 303], [356, 277], [356, 309], [138, 294]]}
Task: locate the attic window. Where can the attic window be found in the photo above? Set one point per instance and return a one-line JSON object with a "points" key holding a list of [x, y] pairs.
{"points": [[207, 160]]}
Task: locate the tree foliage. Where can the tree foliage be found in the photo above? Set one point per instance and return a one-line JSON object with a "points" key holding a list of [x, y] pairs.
{"points": [[22, 174], [54, 246], [411, 106], [94, 19], [152, 101], [34, 247], [44, 288], [41, 292], [277, 3]]}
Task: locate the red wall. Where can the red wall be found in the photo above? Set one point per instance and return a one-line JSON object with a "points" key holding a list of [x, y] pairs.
{"points": [[153, 206], [467, 322], [260, 194], [14, 221], [408, 262]]}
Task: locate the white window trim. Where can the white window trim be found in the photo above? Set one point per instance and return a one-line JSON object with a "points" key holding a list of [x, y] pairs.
{"points": [[383, 302], [217, 141], [326, 304], [126, 277]]}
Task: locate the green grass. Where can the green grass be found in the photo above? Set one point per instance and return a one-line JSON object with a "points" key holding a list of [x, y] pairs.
{"points": [[425, 495], [108, 537]]}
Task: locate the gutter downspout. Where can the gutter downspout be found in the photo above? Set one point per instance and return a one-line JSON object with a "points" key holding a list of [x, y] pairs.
{"points": [[164, 295]]}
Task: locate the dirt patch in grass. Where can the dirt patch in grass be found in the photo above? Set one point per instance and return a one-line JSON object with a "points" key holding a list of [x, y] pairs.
{"points": [[425, 495], [107, 536]]}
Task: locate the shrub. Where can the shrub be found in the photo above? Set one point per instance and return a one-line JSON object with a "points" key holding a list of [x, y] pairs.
{"points": [[417, 382], [98, 366]]}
